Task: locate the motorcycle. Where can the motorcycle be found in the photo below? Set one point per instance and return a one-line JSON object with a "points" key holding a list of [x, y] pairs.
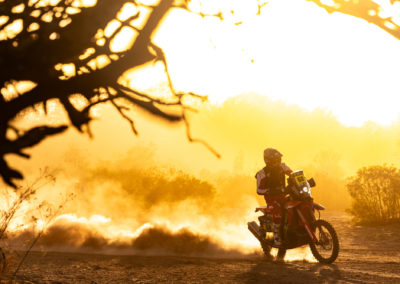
{"points": [[301, 226]]}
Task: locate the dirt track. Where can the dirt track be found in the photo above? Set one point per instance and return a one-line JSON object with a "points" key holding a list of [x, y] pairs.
{"points": [[368, 255]]}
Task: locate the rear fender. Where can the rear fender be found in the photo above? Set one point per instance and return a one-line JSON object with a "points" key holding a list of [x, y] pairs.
{"points": [[267, 209]]}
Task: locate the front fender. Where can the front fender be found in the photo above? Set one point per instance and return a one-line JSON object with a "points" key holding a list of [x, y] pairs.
{"points": [[292, 204], [318, 206]]}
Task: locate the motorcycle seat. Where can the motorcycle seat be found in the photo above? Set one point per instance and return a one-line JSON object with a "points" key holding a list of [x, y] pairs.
{"points": [[262, 208]]}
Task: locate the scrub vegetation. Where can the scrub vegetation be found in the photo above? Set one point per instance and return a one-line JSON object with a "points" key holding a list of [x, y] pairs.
{"points": [[375, 192]]}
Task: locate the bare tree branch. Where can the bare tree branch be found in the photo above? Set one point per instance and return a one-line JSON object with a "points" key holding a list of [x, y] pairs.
{"points": [[367, 10], [59, 36]]}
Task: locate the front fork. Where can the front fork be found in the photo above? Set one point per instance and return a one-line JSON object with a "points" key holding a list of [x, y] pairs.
{"points": [[307, 226], [285, 223]]}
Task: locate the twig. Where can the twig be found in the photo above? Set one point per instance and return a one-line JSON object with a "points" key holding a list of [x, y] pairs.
{"points": [[119, 109], [51, 215], [27, 252], [160, 55], [196, 140]]}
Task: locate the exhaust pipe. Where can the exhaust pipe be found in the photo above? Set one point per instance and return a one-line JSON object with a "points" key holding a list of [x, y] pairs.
{"points": [[255, 230]]}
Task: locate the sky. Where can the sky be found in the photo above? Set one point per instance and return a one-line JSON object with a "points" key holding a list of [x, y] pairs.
{"points": [[294, 51]]}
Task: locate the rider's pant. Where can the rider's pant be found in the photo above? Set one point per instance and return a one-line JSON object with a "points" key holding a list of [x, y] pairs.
{"points": [[278, 211]]}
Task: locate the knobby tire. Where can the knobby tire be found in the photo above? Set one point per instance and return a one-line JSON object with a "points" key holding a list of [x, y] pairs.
{"points": [[335, 243]]}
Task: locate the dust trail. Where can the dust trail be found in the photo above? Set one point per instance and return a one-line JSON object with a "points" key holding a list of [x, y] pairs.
{"points": [[85, 235], [147, 240]]}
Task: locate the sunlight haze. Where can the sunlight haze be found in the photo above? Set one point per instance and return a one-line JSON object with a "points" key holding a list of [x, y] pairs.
{"points": [[302, 55]]}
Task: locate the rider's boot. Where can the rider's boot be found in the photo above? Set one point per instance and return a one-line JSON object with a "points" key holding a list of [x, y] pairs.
{"points": [[277, 235]]}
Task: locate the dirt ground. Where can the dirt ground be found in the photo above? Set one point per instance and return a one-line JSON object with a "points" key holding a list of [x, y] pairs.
{"points": [[367, 255]]}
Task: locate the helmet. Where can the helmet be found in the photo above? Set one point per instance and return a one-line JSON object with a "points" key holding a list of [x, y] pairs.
{"points": [[272, 156]]}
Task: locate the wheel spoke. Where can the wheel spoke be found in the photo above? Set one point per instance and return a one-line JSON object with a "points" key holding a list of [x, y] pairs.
{"points": [[326, 249]]}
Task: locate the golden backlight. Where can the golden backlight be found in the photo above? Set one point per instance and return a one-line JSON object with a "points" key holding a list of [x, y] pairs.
{"points": [[297, 69]]}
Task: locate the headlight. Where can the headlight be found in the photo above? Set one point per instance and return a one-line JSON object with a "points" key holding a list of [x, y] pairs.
{"points": [[305, 189]]}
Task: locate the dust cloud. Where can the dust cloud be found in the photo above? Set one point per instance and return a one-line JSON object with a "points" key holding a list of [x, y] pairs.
{"points": [[77, 237]]}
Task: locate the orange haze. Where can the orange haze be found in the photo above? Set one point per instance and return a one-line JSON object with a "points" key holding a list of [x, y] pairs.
{"points": [[160, 179]]}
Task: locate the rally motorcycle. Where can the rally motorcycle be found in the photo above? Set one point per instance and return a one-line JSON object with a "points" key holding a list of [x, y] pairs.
{"points": [[301, 226]]}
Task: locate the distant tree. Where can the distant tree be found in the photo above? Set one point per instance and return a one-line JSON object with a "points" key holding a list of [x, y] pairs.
{"points": [[375, 193]]}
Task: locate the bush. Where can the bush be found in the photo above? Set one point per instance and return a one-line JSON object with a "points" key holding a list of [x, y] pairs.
{"points": [[375, 192]]}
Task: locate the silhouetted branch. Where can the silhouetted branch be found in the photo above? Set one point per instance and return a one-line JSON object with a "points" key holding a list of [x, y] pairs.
{"points": [[149, 104], [59, 49], [32, 137], [120, 110], [185, 6], [260, 6], [161, 56], [32, 55], [25, 140], [8, 174], [367, 10]]}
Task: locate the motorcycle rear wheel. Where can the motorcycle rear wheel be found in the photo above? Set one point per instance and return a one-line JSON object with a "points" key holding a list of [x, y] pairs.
{"points": [[326, 249], [267, 250]]}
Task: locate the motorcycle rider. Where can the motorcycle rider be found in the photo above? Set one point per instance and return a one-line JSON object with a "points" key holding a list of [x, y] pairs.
{"points": [[271, 184]]}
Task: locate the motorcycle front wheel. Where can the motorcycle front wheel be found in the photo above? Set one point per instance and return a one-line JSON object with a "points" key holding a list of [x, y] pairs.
{"points": [[326, 249]]}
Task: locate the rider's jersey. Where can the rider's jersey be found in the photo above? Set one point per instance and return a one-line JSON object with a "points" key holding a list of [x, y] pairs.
{"points": [[271, 181]]}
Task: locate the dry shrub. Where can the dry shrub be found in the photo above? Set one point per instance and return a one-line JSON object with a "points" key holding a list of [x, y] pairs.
{"points": [[375, 191], [23, 209]]}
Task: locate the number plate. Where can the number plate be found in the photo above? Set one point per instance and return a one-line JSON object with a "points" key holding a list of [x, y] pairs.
{"points": [[300, 179]]}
